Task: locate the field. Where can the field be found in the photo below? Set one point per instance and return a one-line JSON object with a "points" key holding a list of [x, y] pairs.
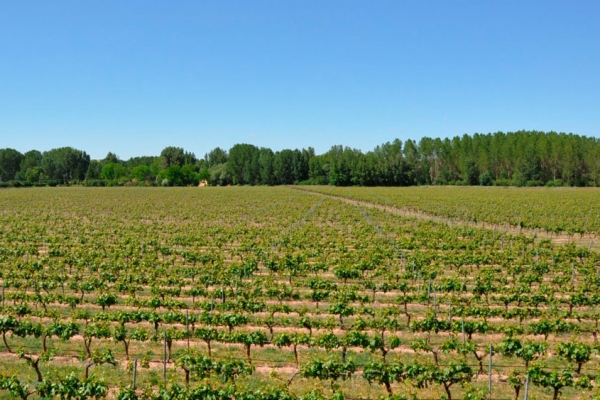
{"points": [[311, 292], [564, 211]]}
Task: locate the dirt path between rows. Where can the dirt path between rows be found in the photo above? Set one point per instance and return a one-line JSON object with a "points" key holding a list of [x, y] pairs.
{"points": [[590, 242]]}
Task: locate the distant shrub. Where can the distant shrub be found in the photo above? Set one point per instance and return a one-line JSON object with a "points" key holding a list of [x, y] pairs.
{"points": [[534, 183], [503, 182], [94, 182], [556, 183], [486, 179]]}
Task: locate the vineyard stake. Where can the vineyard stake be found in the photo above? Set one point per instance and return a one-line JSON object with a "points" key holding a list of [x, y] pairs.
{"points": [[526, 386], [463, 330], [134, 372], [429, 292], [490, 373], [187, 326], [165, 358]]}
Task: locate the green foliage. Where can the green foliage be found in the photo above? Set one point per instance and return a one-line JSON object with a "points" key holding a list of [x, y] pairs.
{"points": [[576, 352], [236, 269], [15, 387], [329, 369], [554, 380], [113, 171], [10, 164], [72, 388], [65, 164], [522, 158], [384, 374]]}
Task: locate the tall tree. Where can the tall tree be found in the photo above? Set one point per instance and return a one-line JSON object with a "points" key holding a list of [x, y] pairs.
{"points": [[215, 157], [242, 163], [111, 158], [31, 159], [65, 163], [10, 164], [176, 156], [265, 162]]}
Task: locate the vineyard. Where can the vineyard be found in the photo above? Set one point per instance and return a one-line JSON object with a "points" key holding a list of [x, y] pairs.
{"points": [[565, 211], [276, 293]]}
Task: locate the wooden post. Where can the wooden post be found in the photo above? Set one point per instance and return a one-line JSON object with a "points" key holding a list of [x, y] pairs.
{"points": [[463, 330], [187, 326], [490, 372], [134, 372], [165, 358], [526, 387]]}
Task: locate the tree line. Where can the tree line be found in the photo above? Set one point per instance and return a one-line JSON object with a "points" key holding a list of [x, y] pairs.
{"points": [[522, 158]]}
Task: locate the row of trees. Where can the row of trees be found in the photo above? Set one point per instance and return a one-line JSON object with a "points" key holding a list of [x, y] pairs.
{"points": [[515, 158]]}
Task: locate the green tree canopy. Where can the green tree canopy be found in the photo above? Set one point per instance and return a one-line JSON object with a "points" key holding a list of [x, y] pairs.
{"points": [[10, 164], [65, 163]]}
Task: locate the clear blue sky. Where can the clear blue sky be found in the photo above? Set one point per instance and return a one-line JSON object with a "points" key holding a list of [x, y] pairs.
{"points": [[133, 77]]}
